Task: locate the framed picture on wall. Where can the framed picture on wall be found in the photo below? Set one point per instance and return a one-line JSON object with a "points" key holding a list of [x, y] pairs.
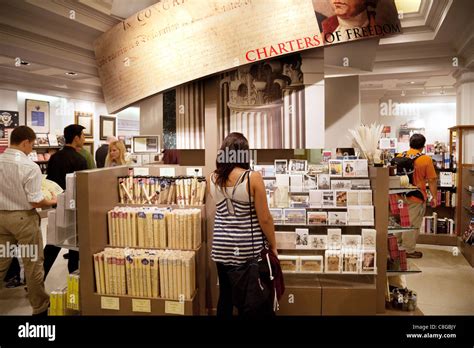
{"points": [[85, 119], [89, 146], [37, 115], [107, 127], [146, 144], [41, 140], [9, 119]]}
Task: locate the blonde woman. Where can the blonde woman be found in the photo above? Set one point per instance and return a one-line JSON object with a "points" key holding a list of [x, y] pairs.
{"points": [[116, 155]]}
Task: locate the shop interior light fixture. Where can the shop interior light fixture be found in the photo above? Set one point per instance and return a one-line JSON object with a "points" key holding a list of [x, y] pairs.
{"points": [[71, 73]]}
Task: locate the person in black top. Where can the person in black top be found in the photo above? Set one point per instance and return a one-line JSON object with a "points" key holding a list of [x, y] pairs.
{"points": [[65, 161], [102, 151]]}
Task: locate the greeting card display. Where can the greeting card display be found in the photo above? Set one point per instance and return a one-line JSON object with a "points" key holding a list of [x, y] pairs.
{"points": [[337, 218], [333, 261], [317, 241], [312, 263], [334, 238], [324, 182], [335, 168], [302, 238], [295, 216], [369, 260], [317, 218], [289, 263], [341, 198], [350, 261], [285, 240], [337, 184], [369, 238]]}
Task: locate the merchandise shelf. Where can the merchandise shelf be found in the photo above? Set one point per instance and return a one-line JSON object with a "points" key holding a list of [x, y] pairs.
{"points": [[412, 269], [306, 225], [400, 229], [324, 273], [401, 190], [124, 305]]}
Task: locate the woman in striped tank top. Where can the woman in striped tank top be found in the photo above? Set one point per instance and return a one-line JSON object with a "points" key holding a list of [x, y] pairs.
{"points": [[232, 237]]}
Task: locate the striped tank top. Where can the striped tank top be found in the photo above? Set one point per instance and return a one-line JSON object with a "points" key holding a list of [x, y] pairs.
{"points": [[232, 237]]}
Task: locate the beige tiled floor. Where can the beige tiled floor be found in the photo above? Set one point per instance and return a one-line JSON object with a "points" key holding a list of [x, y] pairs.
{"points": [[445, 287], [446, 284], [15, 301]]}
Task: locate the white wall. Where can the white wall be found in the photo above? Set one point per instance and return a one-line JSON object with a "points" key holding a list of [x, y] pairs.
{"points": [[8, 100], [342, 110], [436, 115], [62, 112]]}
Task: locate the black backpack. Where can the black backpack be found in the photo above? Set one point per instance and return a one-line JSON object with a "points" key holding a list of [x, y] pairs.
{"points": [[406, 166]]}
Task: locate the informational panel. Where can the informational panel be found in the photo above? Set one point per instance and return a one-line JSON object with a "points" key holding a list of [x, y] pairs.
{"points": [[177, 41]]}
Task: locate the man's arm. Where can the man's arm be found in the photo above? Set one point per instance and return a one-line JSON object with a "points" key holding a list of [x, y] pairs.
{"points": [[433, 184], [45, 203]]}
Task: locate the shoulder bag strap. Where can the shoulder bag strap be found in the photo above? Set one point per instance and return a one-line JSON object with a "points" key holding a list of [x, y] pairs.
{"points": [[250, 210]]}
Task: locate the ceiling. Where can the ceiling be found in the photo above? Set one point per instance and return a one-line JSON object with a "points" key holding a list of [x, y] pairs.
{"points": [[56, 36]]}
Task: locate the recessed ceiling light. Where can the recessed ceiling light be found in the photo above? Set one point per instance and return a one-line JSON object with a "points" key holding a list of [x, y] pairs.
{"points": [[412, 82], [71, 73]]}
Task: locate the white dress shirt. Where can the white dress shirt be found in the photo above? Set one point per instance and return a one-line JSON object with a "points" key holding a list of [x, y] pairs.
{"points": [[20, 181]]}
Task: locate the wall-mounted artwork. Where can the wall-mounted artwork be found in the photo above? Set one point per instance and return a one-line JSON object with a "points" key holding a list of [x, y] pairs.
{"points": [[107, 127], [265, 102], [9, 119], [85, 119], [37, 115]]}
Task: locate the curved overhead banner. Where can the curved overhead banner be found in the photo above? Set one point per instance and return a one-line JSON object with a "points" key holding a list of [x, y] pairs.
{"points": [[177, 41]]}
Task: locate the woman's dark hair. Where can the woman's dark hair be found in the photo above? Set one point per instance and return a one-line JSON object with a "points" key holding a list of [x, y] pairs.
{"points": [[22, 133], [417, 141], [234, 153]]}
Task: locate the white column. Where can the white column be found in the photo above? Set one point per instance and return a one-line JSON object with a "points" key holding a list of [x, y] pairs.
{"points": [[465, 110], [313, 79]]}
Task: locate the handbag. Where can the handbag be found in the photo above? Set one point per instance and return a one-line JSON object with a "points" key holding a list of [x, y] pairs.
{"points": [[253, 284]]}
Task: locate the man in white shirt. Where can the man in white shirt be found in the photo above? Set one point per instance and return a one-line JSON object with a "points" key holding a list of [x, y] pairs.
{"points": [[20, 192]]}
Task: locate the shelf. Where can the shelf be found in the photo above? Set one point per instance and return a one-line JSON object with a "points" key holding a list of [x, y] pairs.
{"points": [[69, 243], [305, 225], [437, 239], [151, 248], [46, 147], [402, 190], [412, 269], [400, 229], [158, 306], [321, 273], [469, 210]]}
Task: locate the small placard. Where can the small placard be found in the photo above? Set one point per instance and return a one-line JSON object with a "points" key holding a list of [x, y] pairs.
{"points": [[139, 305], [167, 171], [110, 303], [192, 171], [172, 307], [141, 171]]}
